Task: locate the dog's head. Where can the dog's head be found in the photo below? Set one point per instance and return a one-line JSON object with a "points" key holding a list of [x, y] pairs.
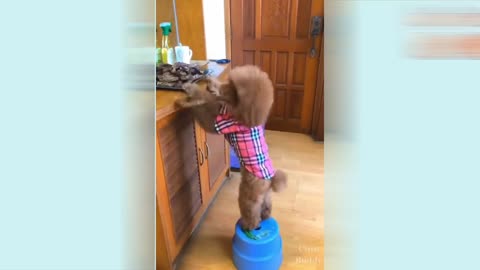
{"points": [[250, 93]]}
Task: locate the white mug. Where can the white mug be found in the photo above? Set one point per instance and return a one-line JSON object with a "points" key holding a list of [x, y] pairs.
{"points": [[183, 54]]}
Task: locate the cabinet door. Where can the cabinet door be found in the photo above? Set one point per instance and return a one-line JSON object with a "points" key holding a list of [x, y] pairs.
{"points": [[217, 153], [181, 172]]}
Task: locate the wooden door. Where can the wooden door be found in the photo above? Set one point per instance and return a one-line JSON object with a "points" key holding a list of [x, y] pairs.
{"points": [[275, 35]]}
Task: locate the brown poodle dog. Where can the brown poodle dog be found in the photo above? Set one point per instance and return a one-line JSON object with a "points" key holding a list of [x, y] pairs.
{"points": [[239, 109]]}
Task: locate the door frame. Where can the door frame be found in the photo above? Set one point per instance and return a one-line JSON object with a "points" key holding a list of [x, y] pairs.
{"points": [[318, 123], [228, 29]]}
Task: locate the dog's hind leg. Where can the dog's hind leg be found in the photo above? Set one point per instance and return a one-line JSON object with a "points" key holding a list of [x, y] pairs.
{"points": [[250, 211], [266, 205], [250, 205], [251, 198]]}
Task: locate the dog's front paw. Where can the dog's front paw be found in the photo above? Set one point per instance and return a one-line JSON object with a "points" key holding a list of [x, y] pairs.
{"points": [[213, 86], [181, 103], [184, 103], [190, 88]]}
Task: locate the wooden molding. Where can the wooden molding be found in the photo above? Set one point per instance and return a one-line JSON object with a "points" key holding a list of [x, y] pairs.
{"points": [[228, 30]]}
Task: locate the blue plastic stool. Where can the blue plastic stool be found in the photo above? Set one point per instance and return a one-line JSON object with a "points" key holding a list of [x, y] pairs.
{"points": [[234, 162], [265, 253]]}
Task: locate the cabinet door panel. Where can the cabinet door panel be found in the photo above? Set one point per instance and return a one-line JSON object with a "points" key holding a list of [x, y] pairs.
{"points": [[217, 158], [185, 205], [177, 139]]}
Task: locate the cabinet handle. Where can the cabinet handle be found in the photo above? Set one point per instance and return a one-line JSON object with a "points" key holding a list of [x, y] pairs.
{"points": [[201, 154], [207, 150]]}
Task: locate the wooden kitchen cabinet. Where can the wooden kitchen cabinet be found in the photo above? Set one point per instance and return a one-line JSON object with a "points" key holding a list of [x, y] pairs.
{"points": [[191, 167]]}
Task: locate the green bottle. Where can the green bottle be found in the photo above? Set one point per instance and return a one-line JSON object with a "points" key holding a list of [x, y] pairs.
{"points": [[167, 52], [158, 51]]}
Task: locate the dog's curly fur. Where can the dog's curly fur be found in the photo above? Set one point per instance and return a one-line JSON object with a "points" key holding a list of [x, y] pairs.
{"points": [[249, 94], [203, 104]]}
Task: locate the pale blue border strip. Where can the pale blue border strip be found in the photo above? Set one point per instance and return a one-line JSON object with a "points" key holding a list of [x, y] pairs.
{"points": [[68, 156], [401, 147]]}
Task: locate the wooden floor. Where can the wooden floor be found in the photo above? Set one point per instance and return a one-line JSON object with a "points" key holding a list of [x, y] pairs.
{"points": [[298, 210]]}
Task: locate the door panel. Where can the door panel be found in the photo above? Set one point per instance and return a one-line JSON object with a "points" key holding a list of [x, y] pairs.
{"points": [[266, 62], [275, 10], [275, 35], [216, 157], [298, 68], [177, 140], [249, 57], [296, 99], [248, 23], [280, 104], [303, 19], [282, 68]]}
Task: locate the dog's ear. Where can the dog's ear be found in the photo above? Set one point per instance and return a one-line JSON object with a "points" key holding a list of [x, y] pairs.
{"points": [[253, 91]]}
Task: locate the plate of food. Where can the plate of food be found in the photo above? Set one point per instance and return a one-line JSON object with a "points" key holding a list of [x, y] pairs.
{"points": [[173, 77]]}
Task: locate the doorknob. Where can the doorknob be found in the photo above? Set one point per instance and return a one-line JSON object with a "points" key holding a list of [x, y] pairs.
{"points": [[317, 29]]}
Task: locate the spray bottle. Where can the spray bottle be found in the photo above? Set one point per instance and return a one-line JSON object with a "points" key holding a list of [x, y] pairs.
{"points": [[158, 51], [167, 52]]}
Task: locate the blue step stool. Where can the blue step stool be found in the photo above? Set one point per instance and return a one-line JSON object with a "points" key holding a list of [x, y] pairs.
{"points": [[265, 253], [234, 162]]}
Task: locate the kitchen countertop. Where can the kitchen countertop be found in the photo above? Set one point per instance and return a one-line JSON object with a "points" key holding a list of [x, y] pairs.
{"points": [[165, 98]]}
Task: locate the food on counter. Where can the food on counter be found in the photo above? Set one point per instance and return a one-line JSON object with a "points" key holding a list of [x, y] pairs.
{"points": [[174, 76]]}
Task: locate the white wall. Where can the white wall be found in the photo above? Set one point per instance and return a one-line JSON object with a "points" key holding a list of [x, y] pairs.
{"points": [[214, 19]]}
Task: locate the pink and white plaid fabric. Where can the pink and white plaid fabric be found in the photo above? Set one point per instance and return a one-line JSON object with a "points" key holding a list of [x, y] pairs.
{"points": [[248, 143]]}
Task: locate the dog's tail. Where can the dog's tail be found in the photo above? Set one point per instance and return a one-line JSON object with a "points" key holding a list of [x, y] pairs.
{"points": [[279, 181]]}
